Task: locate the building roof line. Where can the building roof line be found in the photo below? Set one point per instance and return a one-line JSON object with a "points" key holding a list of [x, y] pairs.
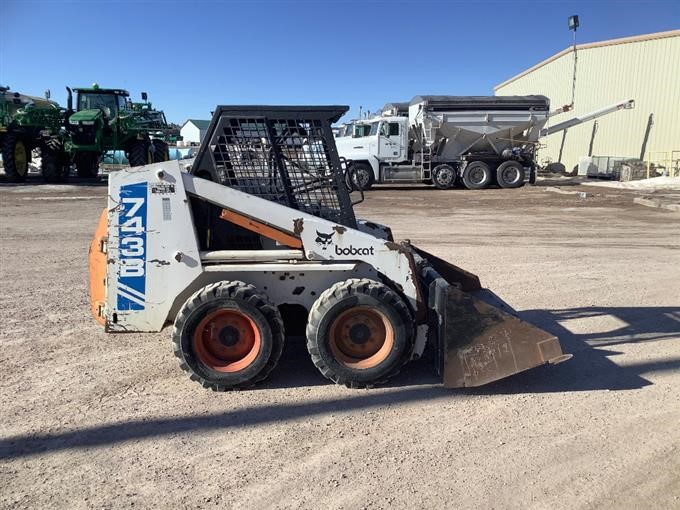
{"points": [[598, 44]]}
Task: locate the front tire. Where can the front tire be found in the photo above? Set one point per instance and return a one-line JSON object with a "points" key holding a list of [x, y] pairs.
{"points": [[87, 164], [444, 177], [228, 336], [15, 156], [160, 151], [477, 175], [140, 153], [54, 161], [359, 333], [361, 176], [510, 174]]}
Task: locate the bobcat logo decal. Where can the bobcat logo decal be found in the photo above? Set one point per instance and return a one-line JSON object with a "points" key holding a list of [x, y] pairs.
{"points": [[324, 240]]}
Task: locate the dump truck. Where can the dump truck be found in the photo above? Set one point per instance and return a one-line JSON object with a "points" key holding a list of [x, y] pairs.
{"points": [[475, 140], [261, 239], [28, 123], [106, 120]]}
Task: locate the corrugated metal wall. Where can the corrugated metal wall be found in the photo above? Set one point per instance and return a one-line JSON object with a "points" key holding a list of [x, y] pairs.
{"points": [[647, 71]]}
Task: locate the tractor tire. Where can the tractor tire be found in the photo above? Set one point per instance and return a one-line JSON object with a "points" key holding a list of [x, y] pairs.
{"points": [[361, 176], [510, 174], [444, 177], [160, 151], [15, 157], [359, 333], [54, 161], [228, 336], [87, 164], [477, 175], [140, 153]]}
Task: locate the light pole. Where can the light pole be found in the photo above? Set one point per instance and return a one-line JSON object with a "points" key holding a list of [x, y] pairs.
{"points": [[573, 26]]}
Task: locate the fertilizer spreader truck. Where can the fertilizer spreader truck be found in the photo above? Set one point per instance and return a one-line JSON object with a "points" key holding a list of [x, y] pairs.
{"points": [[477, 140]]}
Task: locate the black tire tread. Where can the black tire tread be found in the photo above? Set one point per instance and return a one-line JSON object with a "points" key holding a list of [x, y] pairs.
{"points": [[345, 289], [87, 164], [470, 185], [8, 162], [236, 290], [138, 155], [54, 168], [437, 184], [499, 173], [160, 151], [371, 178]]}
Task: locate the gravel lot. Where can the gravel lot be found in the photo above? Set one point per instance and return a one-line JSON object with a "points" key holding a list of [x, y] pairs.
{"points": [[91, 420]]}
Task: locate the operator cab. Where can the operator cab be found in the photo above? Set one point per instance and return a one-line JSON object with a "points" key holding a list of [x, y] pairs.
{"points": [[109, 101]]}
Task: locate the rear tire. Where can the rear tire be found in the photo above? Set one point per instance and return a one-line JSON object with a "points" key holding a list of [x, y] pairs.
{"points": [[160, 151], [54, 161], [510, 174], [15, 156], [361, 176], [444, 177], [87, 164], [359, 333], [228, 336], [140, 153], [477, 175]]}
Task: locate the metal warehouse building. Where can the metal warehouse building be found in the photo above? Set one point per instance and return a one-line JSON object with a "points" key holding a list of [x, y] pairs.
{"points": [[645, 68]]}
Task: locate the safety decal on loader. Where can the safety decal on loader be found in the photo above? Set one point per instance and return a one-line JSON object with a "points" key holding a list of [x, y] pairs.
{"points": [[132, 247]]}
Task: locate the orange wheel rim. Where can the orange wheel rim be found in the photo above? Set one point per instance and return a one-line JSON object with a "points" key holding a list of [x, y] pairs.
{"points": [[361, 337], [227, 340]]}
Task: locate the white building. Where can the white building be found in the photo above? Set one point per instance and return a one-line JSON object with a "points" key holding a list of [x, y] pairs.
{"points": [[645, 68], [194, 130]]}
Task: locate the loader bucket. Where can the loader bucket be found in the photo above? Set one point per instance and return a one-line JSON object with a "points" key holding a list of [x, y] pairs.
{"points": [[478, 337]]}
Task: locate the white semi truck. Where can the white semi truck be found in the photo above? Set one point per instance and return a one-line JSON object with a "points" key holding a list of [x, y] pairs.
{"points": [[476, 140]]}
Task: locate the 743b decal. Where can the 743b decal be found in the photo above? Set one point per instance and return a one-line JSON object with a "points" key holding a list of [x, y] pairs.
{"points": [[132, 247]]}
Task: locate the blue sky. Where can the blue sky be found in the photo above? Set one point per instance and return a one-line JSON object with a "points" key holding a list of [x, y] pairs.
{"points": [[190, 56]]}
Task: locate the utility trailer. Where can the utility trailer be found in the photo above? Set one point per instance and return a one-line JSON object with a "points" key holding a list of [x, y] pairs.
{"points": [[261, 238], [476, 140]]}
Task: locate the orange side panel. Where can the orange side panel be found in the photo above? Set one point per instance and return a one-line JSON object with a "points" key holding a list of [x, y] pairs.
{"points": [[97, 262], [261, 228]]}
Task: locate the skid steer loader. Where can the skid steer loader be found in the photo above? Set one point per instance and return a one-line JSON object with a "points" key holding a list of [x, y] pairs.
{"points": [[263, 228]]}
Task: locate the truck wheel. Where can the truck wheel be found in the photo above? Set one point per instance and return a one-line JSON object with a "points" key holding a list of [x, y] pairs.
{"points": [[15, 156], [87, 164], [54, 161], [140, 153], [359, 333], [361, 176], [228, 336], [444, 177], [160, 151], [510, 174], [477, 175]]}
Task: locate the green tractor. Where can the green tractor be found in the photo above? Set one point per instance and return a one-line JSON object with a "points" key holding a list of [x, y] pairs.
{"points": [[106, 120], [28, 123]]}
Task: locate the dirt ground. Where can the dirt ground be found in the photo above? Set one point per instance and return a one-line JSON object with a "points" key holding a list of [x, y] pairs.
{"points": [[91, 420]]}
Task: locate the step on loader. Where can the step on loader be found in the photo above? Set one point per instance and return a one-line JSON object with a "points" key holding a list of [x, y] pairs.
{"points": [[259, 236]]}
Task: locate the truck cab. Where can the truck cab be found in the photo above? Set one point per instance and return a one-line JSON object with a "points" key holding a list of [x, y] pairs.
{"points": [[373, 145]]}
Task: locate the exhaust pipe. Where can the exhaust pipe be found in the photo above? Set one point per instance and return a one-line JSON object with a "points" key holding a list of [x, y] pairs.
{"points": [[69, 103]]}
